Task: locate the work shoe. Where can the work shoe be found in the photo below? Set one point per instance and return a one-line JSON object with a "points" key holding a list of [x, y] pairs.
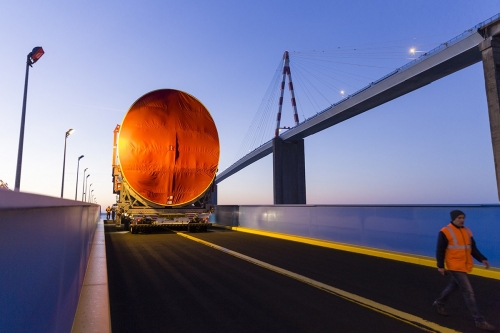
{"points": [[440, 309], [484, 325]]}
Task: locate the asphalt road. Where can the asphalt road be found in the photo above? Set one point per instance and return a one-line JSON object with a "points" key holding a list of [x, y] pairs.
{"points": [[168, 283]]}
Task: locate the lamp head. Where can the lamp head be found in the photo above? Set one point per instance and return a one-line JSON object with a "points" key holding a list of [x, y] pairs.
{"points": [[79, 158], [35, 54], [69, 132]]}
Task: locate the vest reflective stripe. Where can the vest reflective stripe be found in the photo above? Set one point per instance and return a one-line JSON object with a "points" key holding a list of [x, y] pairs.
{"points": [[458, 253], [459, 247], [455, 240], [452, 234]]}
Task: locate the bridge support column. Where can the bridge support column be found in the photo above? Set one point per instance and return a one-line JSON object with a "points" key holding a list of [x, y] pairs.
{"points": [[214, 195], [289, 171], [490, 49]]}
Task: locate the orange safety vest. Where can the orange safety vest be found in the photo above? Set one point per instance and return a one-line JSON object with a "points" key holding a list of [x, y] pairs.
{"points": [[458, 255]]}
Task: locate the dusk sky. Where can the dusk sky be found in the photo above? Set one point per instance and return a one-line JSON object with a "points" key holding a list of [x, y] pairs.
{"points": [[431, 146]]}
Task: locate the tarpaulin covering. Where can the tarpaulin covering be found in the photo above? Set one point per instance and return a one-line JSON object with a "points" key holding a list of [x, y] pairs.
{"points": [[168, 147]]}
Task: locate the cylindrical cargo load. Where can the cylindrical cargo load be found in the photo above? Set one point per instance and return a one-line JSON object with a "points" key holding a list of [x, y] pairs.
{"points": [[168, 148]]}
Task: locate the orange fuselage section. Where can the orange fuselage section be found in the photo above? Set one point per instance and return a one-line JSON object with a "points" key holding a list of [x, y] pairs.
{"points": [[168, 147]]}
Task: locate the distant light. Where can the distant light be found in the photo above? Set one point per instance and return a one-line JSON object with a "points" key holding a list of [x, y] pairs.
{"points": [[412, 50], [342, 92]]}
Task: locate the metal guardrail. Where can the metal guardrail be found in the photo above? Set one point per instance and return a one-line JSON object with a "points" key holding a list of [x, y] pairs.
{"points": [[382, 227]]}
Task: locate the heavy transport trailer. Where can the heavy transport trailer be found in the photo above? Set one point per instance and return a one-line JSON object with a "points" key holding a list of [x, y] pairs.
{"points": [[138, 215], [131, 208], [165, 157], [147, 227]]}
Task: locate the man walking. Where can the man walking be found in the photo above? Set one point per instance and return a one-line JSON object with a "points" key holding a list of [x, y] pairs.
{"points": [[455, 248], [108, 212]]}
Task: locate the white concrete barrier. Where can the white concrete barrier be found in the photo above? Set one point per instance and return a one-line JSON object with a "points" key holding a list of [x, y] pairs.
{"points": [[45, 244]]}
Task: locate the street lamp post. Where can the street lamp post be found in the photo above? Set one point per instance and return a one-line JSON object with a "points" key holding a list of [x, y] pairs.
{"points": [[32, 57], [83, 185], [64, 159], [91, 196], [86, 186], [77, 168], [88, 198]]}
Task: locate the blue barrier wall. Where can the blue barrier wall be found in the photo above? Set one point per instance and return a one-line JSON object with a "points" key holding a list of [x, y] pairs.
{"points": [[45, 244], [410, 229]]}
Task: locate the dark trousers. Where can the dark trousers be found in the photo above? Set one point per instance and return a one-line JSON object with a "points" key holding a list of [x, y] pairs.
{"points": [[460, 281]]}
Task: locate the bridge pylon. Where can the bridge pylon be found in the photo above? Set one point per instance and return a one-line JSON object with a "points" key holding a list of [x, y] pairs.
{"points": [[286, 72], [289, 172], [490, 52]]}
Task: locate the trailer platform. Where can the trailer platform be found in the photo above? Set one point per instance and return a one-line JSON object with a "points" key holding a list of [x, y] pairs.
{"points": [[151, 228]]}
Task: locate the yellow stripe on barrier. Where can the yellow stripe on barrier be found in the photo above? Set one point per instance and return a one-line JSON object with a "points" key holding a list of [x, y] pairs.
{"points": [[491, 273], [365, 302]]}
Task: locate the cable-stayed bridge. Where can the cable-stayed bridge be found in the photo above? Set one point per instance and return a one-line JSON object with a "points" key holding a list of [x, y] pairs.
{"points": [[239, 280], [480, 43]]}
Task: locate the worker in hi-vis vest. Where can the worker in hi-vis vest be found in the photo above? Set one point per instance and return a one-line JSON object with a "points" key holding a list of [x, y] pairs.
{"points": [[455, 249]]}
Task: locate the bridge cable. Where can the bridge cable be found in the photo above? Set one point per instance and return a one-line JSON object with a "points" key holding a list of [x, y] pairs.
{"points": [[257, 128]]}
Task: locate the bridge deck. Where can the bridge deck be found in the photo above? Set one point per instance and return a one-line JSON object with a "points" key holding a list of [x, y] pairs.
{"points": [[165, 282]]}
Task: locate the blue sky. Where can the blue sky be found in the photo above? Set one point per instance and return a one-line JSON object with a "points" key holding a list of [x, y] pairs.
{"points": [[430, 146]]}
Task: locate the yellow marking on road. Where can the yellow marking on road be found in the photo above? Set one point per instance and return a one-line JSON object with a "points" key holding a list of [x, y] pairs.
{"points": [[365, 302], [491, 273]]}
